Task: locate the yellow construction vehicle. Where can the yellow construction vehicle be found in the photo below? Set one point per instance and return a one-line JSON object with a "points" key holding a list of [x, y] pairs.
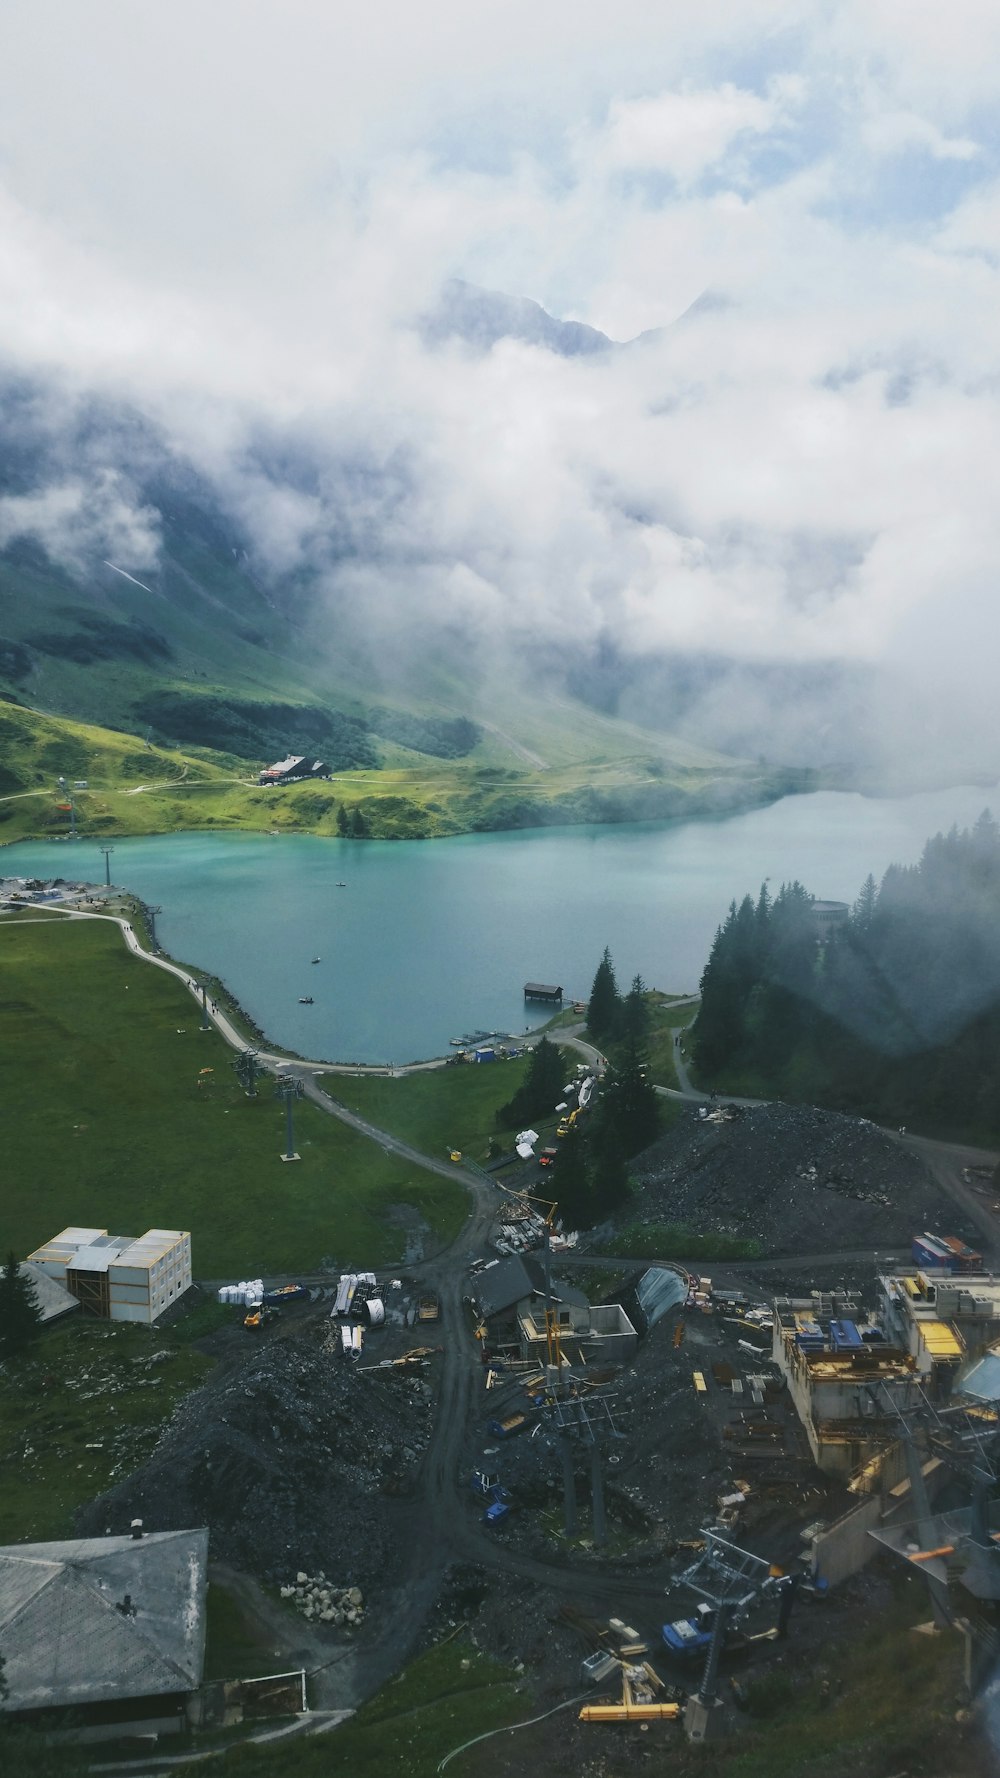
{"points": [[258, 1318]]}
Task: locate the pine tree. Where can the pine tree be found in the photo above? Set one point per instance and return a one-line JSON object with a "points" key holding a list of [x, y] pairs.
{"points": [[359, 826], [634, 1018], [610, 1172], [540, 1090], [629, 1108], [574, 1188], [604, 1006], [865, 908], [343, 822], [20, 1316]]}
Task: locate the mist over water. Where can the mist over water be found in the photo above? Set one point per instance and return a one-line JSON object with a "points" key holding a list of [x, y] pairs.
{"points": [[431, 939]]}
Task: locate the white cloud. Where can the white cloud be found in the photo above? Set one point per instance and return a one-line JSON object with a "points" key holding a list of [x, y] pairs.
{"points": [[231, 216], [684, 133], [80, 521], [893, 132]]}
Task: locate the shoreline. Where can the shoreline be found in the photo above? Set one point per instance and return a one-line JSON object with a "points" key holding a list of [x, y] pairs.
{"points": [[639, 802], [226, 1013]]}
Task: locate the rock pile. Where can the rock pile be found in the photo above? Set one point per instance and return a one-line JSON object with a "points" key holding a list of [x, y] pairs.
{"points": [[790, 1176], [316, 1598], [292, 1458]]}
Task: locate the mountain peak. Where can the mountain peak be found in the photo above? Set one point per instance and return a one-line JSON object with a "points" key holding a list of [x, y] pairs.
{"points": [[481, 318]]}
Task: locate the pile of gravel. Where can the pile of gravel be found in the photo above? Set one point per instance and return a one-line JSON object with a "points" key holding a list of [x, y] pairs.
{"points": [[293, 1458], [790, 1176]]}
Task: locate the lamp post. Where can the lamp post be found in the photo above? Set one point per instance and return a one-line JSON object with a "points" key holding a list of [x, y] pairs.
{"points": [[152, 913], [201, 989]]}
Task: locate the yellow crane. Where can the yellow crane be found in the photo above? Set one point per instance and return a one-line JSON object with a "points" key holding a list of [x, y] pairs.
{"points": [[553, 1350]]}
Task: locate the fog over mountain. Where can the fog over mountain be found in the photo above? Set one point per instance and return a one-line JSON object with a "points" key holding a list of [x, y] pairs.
{"points": [[657, 362]]}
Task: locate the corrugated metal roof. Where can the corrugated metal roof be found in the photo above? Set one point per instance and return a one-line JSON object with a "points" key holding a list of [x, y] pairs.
{"points": [[102, 1618], [983, 1381], [658, 1291]]}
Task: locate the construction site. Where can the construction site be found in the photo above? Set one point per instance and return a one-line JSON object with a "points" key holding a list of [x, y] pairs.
{"points": [[658, 1492]]}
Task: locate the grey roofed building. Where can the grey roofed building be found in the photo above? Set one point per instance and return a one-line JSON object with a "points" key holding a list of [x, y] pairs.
{"points": [[511, 1281], [506, 1283], [102, 1618], [53, 1298]]}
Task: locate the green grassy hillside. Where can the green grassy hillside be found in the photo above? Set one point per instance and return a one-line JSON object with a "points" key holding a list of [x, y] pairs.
{"points": [[118, 1112], [136, 787]]}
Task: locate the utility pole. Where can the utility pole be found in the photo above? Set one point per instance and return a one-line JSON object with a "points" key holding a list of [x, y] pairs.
{"points": [[107, 850], [203, 991], [289, 1087], [245, 1065]]}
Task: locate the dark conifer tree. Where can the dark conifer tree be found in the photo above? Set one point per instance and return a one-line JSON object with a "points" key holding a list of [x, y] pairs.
{"points": [[573, 1185], [343, 822], [634, 1019], [610, 1172], [628, 1106], [540, 1090], [604, 1006], [20, 1316], [865, 908]]}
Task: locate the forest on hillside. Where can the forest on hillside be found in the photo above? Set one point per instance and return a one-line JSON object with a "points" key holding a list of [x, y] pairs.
{"points": [[896, 1014]]}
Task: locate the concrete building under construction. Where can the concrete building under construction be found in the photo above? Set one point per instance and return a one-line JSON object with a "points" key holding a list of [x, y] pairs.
{"points": [[943, 1321], [119, 1277], [847, 1382]]}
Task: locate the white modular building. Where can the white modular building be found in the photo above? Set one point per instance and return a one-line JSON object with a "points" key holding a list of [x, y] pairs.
{"points": [[119, 1277]]}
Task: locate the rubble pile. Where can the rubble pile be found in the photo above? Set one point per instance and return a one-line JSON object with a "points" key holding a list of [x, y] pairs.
{"points": [[295, 1461], [790, 1176], [317, 1598]]}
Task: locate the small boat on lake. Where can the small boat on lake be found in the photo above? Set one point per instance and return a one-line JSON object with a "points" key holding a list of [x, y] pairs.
{"points": [[305, 1000], [317, 959]]}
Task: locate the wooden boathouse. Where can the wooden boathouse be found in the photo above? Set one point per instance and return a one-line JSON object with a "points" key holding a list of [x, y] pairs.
{"points": [[542, 991]]}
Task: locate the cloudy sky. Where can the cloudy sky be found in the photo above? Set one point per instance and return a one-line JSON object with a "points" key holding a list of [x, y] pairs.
{"points": [[239, 209]]}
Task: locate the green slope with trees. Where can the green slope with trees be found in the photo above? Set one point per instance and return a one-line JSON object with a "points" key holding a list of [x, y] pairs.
{"points": [[896, 1015]]}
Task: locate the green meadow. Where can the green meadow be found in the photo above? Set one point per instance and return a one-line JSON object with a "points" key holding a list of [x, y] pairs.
{"points": [[119, 1112]]}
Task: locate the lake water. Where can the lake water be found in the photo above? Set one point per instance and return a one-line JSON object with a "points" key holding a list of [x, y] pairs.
{"points": [[431, 939]]}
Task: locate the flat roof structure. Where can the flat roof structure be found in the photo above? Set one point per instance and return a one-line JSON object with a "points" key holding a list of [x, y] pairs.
{"points": [[119, 1277], [65, 1246], [104, 1618]]}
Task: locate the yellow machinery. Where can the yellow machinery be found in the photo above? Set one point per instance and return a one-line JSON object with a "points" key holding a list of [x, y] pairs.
{"points": [[260, 1317], [639, 1703]]}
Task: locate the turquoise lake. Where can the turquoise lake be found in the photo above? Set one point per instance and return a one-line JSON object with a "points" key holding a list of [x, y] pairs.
{"points": [[431, 939]]}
